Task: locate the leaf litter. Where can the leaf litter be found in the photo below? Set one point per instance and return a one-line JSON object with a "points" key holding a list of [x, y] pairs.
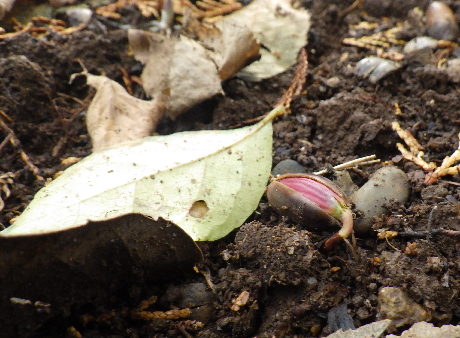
{"points": [[191, 70], [114, 116]]}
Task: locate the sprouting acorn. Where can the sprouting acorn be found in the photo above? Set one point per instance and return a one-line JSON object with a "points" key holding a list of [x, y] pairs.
{"points": [[314, 202]]}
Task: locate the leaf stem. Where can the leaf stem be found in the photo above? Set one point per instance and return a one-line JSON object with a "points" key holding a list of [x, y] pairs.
{"points": [[277, 111]]}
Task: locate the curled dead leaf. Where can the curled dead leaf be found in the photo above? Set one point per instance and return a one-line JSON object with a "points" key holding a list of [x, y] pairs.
{"points": [[114, 116], [86, 264], [192, 67]]}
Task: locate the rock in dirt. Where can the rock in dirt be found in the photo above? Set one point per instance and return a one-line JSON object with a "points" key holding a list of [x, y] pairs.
{"points": [[394, 304], [440, 21], [385, 184], [428, 330], [420, 42], [288, 167], [195, 296], [374, 329], [338, 318], [344, 181], [375, 68]]}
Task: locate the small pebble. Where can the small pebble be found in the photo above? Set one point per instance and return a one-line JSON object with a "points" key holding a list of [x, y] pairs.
{"points": [[393, 303], [376, 68], [339, 318], [424, 329], [420, 42], [288, 167], [344, 181], [385, 184], [440, 22], [333, 82], [75, 15]]}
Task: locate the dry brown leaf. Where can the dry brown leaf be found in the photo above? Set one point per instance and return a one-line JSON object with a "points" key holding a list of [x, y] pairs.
{"points": [[192, 71], [114, 116], [230, 45], [178, 65], [86, 264]]}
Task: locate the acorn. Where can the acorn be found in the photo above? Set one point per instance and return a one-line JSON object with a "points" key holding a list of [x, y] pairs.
{"points": [[314, 202], [440, 21]]}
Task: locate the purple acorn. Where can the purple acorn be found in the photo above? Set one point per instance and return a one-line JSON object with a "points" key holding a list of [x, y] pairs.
{"points": [[312, 201]]}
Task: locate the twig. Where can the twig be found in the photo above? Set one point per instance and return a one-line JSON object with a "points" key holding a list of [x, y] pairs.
{"points": [[292, 92], [70, 30], [13, 35], [296, 86], [453, 183], [81, 102], [353, 163], [5, 115], [430, 218], [126, 80], [17, 144], [426, 233], [391, 245], [5, 141], [352, 249], [67, 132], [357, 4], [183, 331], [217, 9]]}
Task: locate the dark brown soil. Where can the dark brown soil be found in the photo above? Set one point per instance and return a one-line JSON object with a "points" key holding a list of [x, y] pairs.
{"points": [[291, 284]]}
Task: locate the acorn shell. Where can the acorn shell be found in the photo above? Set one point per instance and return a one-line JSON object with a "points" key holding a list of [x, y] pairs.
{"points": [[289, 202]]}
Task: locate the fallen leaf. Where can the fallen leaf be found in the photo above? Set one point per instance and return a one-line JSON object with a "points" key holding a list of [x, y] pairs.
{"points": [[230, 44], [280, 28], [114, 116], [192, 71], [178, 65], [51, 274], [206, 182]]}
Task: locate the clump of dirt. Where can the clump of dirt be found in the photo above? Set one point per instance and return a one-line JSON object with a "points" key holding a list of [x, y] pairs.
{"points": [[291, 284]]}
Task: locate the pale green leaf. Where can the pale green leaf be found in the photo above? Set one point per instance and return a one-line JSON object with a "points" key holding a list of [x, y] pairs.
{"points": [[177, 177]]}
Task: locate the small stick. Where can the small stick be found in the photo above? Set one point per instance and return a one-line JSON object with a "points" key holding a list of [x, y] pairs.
{"points": [[368, 162], [292, 92], [353, 163], [357, 4], [453, 183], [13, 35], [17, 144], [394, 248], [5, 141], [5, 115], [430, 218], [426, 233], [296, 86]]}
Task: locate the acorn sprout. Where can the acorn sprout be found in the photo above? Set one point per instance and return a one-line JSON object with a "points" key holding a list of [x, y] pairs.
{"points": [[314, 202]]}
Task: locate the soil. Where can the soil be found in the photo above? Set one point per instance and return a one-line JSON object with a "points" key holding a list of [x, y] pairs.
{"points": [[287, 284]]}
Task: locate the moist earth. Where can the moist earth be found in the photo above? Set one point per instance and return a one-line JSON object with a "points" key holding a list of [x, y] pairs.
{"points": [[286, 283]]}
